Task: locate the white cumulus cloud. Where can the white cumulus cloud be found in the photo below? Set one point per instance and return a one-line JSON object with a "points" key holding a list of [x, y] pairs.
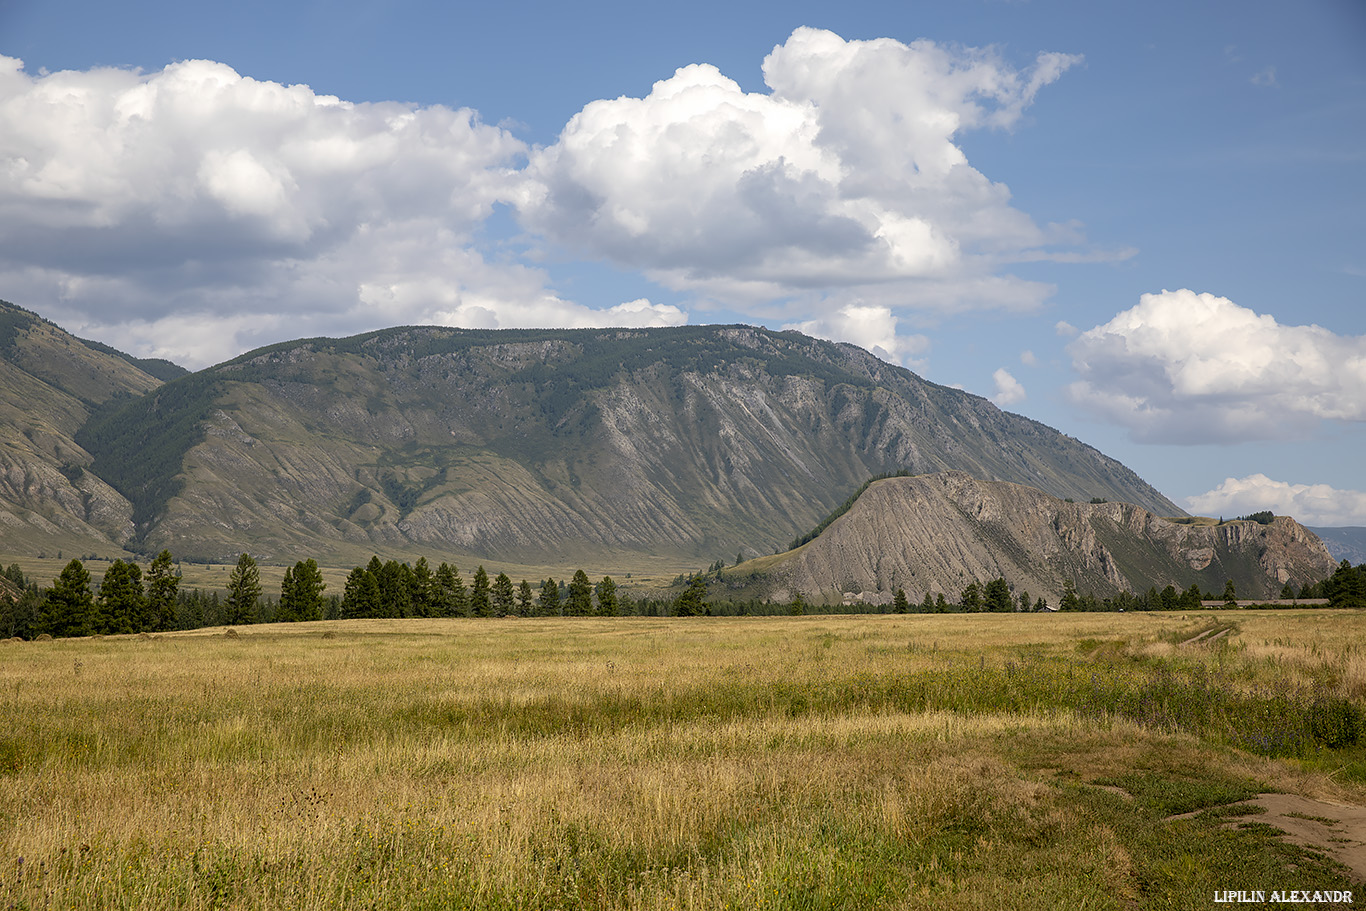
{"points": [[1183, 367], [872, 328], [1309, 504], [194, 212], [844, 175], [1008, 389]]}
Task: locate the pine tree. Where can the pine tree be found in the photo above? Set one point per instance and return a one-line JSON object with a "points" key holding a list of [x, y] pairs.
{"points": [[526, 601], [501, 595], [1230, 594], [120, 604], [693, 601], [163, 584], [549, 603], [927, 606], [580, 603], [424, 589], [479, 594], [449, 598], [307, 592], [1025, 602], [996, 596], [971, 600], [608, 605], [69, 606], [360, 598], [244, 590], [899, 603]]}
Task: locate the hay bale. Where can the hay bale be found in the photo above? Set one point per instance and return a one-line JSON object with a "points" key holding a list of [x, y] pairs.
{"points": [[230, 633], [43, 637]]}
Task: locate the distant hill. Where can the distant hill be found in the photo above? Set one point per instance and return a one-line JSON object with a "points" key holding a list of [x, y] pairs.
{"points": [[1345, 543], [690, 443], [50, 384], [158, 367], [939, 532]]}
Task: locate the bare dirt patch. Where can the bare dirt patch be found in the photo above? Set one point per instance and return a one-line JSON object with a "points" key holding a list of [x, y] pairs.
{"points": [[1339, 830]]}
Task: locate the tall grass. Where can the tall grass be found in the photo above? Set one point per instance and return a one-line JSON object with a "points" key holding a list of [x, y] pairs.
{"points": [[863, 762]]}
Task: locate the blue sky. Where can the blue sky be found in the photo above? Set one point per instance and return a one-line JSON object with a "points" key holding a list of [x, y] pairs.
{"points": [[1140, 224]]}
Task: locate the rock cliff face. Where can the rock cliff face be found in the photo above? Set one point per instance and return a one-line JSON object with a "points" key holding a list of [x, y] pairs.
{"points": [[687, 444], [937, 533]]}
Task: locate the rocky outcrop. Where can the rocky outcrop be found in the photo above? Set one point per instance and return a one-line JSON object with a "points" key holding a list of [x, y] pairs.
{"points": [[937, 533]]}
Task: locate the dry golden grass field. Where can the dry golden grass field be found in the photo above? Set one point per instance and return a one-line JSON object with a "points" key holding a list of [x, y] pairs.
{"points": [[916, 761]]}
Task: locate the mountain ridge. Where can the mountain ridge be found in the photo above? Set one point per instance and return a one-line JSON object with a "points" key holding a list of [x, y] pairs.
{"points": [[938, 532]]}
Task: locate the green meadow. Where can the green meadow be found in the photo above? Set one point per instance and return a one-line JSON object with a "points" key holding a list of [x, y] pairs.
{"points": [[915, 761]]}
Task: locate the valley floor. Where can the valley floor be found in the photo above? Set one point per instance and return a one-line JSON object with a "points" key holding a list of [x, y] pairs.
{"points": [[921, 761]]}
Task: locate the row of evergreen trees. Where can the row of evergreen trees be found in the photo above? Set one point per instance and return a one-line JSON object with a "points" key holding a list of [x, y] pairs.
{"points": [[393, 589], [127, 601]]}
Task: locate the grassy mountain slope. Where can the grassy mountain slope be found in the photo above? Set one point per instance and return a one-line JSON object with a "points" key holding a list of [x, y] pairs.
{"points": [[936, 533], [50, 383], [526, 445]]}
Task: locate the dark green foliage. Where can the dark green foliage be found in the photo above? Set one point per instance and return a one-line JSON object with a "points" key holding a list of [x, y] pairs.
{"points": [[423, 589], [244, 591], [526, 601], [1346, 587], [1070, 601], [1025, 602], [121, 607], [480, 605], [1265, 517], [996, 596], [361, 596], [971, 599], [580, 601], [549, 603], [451, 598], [69, 607], [396, 587], [301, 593], [1230, 593], [693, 601], [927, 606], [163, 582], [13, 320], [899, 603], [501, 595], [608, 604], [139, 446]]}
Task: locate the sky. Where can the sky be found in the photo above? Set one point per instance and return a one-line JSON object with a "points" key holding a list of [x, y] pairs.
{"points": [[1141, 224]]}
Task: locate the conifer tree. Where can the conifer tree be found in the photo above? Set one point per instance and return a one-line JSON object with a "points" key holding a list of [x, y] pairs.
{"points": [[69, 606], [120, 604], [608, 605], [580, 603], [244, 590], [899, 603], [163, 584], [693, 601], [501, 595], [479, 594], [927, 606], [424, 590], [526, 602], [360, 598], [549, 602]]}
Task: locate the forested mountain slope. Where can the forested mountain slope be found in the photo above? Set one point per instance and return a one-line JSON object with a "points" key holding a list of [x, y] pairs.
{"points": [[939, 532], [536, 445]]}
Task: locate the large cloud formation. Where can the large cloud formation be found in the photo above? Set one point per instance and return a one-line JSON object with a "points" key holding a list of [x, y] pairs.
{"points": [[844, 179], [1311, 504], [194, 212], [1183, 367]]}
